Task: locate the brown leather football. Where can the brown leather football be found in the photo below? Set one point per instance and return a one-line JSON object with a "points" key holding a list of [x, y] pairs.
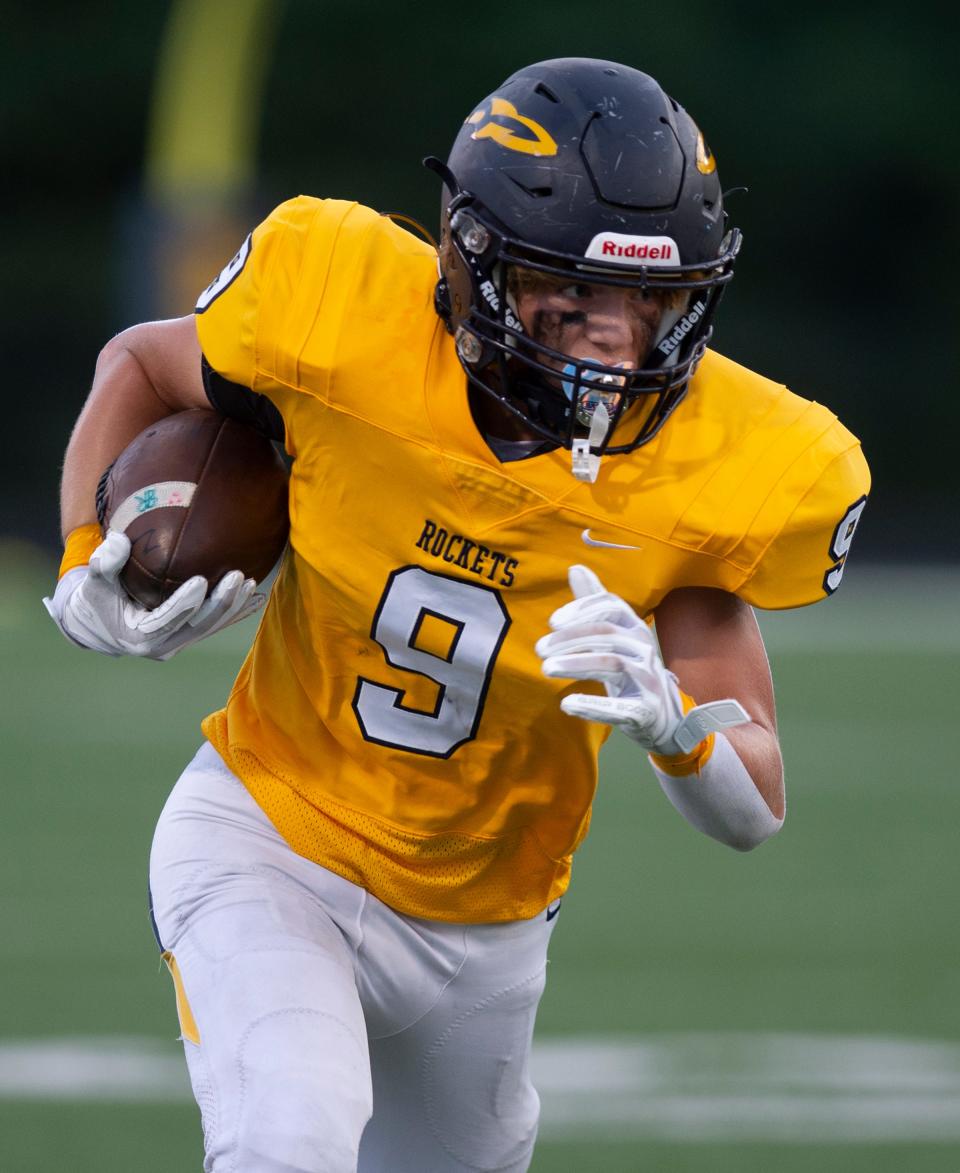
{"points": [[196, 493]]}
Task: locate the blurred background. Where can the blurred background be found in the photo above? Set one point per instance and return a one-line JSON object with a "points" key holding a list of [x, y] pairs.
{"points": [[796, 1009], [142, 141]]}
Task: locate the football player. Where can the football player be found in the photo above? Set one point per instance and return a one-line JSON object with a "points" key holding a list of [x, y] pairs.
{"points": [[501, 481]]}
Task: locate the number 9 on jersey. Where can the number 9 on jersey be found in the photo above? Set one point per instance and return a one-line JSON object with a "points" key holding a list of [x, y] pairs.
{"points": [[475, 622]]}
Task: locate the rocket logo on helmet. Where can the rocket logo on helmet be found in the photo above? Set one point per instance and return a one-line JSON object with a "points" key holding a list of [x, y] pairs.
{"points": [[706, 163], [540, 144]]}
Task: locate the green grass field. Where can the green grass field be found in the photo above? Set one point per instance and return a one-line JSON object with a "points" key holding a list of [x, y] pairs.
{"points": [[803, 999]]}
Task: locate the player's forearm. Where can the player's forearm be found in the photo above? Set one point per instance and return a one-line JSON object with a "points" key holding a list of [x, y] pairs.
{"points": [[759, 751], [736, 795], [122, 402]]}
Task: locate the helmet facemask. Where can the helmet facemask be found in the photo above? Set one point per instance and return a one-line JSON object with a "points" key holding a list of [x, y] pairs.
{"points": [[552, 391]]}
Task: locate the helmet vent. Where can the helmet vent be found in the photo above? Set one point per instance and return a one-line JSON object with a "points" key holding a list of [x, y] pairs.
{"points": [[546, 92], [537, 193]]}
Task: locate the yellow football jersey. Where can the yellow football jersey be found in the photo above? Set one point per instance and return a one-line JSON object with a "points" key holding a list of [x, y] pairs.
{"points": [[392, 718]]}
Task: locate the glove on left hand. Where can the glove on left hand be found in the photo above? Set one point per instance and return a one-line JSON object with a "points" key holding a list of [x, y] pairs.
{"points": [[600, 637]]}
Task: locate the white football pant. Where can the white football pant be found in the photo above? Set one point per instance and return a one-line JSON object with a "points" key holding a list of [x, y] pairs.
{"points": [[334, 1033]]}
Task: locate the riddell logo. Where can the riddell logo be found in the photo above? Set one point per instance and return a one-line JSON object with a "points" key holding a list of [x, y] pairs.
{"points": [[669, 344], [634, 250], [653, 251], [490, 295]]}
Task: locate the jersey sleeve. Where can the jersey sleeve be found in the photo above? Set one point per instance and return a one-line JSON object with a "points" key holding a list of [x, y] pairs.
{"points": [[253, 318], [803, 559], [228, 310]]}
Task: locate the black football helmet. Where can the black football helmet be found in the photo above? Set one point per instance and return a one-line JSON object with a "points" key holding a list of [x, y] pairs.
{"points": [[583, 168]]}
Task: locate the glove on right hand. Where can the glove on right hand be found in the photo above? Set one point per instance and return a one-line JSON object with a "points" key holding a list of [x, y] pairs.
{"points": [[93, 610], [599, 636]]}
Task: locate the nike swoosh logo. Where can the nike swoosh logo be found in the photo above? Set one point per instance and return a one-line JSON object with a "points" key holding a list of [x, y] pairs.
{"points": [[588, 540]]}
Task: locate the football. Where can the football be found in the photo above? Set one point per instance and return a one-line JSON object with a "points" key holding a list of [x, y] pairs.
{"points": [[196, 493]]}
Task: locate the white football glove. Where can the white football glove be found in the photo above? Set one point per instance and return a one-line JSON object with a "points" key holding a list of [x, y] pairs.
{"points": [[93, 610], [600, 637]]}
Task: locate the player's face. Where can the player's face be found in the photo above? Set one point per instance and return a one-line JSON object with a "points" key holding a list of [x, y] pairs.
{"points": [[605, 323]]}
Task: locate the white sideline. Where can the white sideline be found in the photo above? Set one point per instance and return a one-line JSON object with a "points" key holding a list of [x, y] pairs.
{"points": [[788, 1088]]}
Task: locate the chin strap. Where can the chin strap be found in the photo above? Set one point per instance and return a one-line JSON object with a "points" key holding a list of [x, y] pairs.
{"points": [[585, 464]]}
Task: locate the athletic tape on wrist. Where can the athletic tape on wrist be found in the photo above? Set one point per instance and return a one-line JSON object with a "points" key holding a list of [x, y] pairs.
{"points": [[80, 544], [692, 762], [694, 734]]}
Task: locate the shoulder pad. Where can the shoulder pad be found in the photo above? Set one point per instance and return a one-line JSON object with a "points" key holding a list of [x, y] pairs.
{"points": [[804, 560], [773, 486]]}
